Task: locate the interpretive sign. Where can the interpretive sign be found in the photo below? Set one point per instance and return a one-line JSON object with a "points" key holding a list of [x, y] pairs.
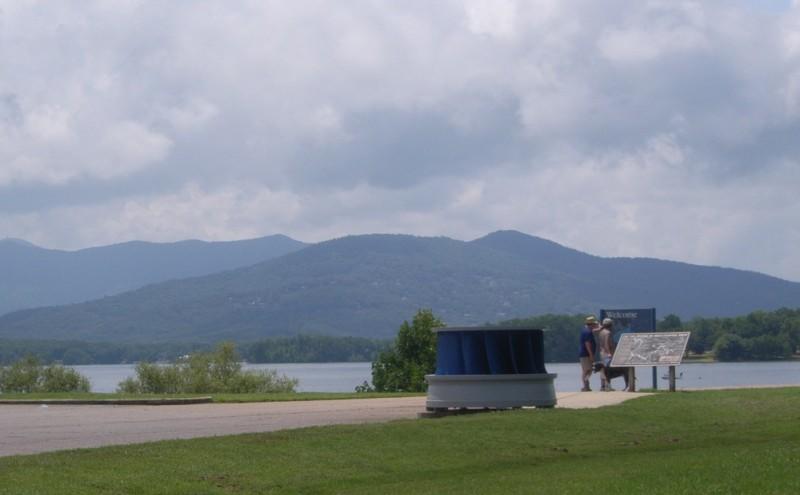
{"points": [[650, 349]]}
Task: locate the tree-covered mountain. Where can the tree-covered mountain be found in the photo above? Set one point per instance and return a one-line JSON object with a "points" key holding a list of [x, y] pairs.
{"points": [[671, 287], [31, 276], [366, 285]]}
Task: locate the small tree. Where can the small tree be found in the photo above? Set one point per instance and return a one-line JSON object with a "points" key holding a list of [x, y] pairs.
{"points": [[413, 355]]}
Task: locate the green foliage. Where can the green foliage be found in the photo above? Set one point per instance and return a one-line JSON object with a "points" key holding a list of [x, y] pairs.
{"points": [[296, 349], [766, 347], [22, 376], [702, 333], [314, 349], [761, 335], [365, 388], [70, 352], [28, 376], [403, 367], [219, 371], [730, 348], [56, 378], [670, 323], [767, 335]]}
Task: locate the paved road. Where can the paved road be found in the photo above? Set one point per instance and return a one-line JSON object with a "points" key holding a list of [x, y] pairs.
{"points": [[28, 429]]}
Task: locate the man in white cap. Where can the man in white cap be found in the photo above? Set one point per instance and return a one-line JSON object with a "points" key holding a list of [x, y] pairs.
{"points": [[587, 351]]}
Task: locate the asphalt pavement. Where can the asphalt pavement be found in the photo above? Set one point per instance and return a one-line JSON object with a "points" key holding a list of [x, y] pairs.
{"points": [[29, 429]]}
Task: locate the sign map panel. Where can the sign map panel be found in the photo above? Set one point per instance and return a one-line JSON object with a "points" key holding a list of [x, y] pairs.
{"points": [[650, 349]]}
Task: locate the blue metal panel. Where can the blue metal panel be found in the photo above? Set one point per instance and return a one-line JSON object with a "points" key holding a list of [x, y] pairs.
{"points": [[449, 360], [522, 352], [498, 353], [489, 350], [474, 351], [537, 349]]}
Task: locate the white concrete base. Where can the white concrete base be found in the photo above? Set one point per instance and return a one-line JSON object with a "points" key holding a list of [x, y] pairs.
{"points": [[490, 391]]}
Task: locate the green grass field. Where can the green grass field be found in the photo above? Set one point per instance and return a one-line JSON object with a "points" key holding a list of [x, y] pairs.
{"points": [[743, 441]]}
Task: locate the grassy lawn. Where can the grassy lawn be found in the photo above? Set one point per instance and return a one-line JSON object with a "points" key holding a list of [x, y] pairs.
{"points": [[742, 441], [279, 397]]}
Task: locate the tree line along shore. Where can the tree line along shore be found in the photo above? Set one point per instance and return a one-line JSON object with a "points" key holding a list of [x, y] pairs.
{"points": [[760, 335]]}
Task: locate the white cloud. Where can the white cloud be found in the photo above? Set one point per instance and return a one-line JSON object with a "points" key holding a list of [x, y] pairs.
{"points": [[659, 29], [192, 116], [52, 148], [125, 147], [492, 17], [643, 45], [49, 124], [236, 211], [648, 128]]}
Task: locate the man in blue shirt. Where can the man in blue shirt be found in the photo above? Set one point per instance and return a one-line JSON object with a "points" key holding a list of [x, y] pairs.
{"points": [[587, 350]]}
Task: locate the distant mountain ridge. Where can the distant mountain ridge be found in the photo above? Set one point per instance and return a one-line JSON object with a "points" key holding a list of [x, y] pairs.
{"points": [[31, 276], [366, 285], [18, 242]]}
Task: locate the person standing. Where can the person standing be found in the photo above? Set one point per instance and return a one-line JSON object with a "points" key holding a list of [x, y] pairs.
{"points": [[587, 351], [604, 344], [623, 371]]}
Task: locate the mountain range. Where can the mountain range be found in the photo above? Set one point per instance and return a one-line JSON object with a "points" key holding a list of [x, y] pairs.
{"points": [[367, 285], [31, 276]]}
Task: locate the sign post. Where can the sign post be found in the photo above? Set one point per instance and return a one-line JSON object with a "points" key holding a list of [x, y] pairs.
{"points": [[650, 349], [672, 378]]}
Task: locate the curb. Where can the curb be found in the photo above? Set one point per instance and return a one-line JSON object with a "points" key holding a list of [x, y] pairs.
{"points": [[110, 402]]}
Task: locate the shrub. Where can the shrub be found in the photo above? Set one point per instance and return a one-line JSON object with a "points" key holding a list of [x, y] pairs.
{"points": [[56, 378], [28, 376], [219, 371], [22, 376]]}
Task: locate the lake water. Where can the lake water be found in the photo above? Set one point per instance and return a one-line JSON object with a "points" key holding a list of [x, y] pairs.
{"points": [[343, 377]]}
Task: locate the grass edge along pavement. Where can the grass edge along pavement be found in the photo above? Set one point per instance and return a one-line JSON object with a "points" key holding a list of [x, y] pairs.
{"points": [[76, 398], [731, 441]]}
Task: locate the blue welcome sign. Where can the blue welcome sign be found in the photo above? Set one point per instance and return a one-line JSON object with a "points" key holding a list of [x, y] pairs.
{"points": [[630, 320]]}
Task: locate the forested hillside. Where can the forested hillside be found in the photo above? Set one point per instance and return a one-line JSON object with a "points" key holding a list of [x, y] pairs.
{"points": [[364, 285]]}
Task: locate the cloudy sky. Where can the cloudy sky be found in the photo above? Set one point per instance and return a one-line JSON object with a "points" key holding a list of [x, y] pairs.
{"points": [[662, 129]]}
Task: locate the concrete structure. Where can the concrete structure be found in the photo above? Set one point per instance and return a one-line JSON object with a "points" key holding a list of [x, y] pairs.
{"points": [[490, 367], [492, 391]]}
